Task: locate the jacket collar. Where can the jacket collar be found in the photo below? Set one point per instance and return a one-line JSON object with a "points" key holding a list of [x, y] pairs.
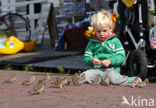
{"points": [[95, 38]]}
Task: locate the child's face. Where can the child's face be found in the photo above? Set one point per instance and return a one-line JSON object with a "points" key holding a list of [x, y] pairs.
{"points": [[103, 33]]}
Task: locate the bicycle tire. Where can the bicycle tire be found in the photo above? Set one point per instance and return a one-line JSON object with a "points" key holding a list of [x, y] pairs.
{"points": [[5, 28], [19, 24], [138, 64]]}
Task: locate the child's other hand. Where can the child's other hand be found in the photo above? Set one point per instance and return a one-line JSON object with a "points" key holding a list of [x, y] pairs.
{"points": [[106, 63], [96, 61]]}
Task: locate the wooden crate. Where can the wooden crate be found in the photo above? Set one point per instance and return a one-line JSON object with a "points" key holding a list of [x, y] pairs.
{"points": [[75, 38]]}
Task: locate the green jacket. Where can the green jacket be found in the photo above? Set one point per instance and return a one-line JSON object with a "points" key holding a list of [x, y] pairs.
{"points": [[111, 49]]}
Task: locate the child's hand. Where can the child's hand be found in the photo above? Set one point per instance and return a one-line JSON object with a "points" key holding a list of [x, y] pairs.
{"points": [[106, 63], [96, 61]]}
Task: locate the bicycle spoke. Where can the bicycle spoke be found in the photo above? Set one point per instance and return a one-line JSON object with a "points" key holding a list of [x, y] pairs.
{"points": [[20, 26]]}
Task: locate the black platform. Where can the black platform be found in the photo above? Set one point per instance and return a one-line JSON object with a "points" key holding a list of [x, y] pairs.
{"points": [[46, 59]]}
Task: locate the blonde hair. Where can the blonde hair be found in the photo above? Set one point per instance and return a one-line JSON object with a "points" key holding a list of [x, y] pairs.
{"points": [[101, 19]]}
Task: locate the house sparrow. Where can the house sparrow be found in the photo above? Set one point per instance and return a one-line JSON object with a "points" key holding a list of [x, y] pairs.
{"points": [[97, 80], [134, 82], [75, 79], [69, 79], [106, 81], [11, 79], [29, 81], [38, 88], [60, 82], [143, 83], [46, 79], [82, 79]]}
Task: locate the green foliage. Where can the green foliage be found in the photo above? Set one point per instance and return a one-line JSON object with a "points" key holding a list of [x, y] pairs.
{"points": [[79, 72], [4, 33], [8, 67], [28, 68], [61, 69], [68, 71]]}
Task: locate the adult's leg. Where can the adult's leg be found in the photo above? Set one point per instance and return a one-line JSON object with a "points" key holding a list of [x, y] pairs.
{"points": [[122, 21]]}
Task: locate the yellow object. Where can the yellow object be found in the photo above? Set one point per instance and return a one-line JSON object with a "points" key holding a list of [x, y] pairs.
{"points": [[29, 46], [128, 3], [13, 45]]}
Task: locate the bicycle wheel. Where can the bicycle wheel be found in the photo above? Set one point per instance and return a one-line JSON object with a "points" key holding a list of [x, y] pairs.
{"points": [[138, 64], [5, 29], [19, 24]]}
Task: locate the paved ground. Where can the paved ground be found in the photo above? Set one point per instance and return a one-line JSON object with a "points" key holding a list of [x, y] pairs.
{"points": [[16, 95]]}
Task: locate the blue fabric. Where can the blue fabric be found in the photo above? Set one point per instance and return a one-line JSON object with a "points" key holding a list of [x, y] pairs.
{"points": [[60, 43], [131, 79]]}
